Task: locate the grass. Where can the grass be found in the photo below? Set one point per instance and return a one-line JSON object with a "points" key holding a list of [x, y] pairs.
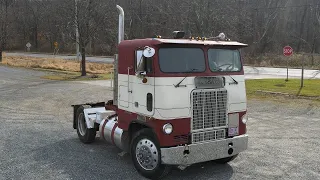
{"points": [[292, 87], [60, 69]]}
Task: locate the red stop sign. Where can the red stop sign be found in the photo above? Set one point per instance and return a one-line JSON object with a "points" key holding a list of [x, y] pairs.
{"points": [[287, 51]]}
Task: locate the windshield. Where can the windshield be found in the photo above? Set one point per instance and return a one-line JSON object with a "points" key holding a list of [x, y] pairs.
{"points": [[224, 60], [176, 60]]}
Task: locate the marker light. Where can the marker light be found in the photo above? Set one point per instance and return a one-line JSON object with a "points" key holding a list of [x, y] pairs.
{"points": [[144, 80], [244, 119]]}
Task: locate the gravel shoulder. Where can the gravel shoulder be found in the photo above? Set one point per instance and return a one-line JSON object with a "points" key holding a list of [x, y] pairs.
{"points": [[38, 142]]}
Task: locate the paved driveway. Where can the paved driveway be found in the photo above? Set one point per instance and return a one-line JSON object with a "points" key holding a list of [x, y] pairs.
{"points": [[38, 142]]}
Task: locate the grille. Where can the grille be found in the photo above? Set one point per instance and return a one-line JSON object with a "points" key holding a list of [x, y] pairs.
{"points": [[208, 136], [181, 138], [209, 109]]}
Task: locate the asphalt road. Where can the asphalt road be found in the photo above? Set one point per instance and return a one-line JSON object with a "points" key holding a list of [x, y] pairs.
{"points": [[38, 142]]}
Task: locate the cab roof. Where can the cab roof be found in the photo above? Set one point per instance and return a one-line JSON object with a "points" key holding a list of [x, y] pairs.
{"points": [[203, 42], [157, 41]]}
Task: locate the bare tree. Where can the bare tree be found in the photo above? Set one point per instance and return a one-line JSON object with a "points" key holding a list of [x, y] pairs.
{"points": [[88, 22], [266, 25], [4, 21]]}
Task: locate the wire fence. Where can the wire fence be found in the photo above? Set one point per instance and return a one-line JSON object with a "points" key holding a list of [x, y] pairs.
{"points": [[297, 75], [311, 61]]}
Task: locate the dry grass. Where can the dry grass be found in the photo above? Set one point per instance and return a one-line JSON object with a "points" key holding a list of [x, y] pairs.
{"points": [[56, 64], [74, 76]]}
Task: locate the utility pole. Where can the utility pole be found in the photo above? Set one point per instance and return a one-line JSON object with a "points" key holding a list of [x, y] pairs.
{"points": [[140, 14], [77, 30]]}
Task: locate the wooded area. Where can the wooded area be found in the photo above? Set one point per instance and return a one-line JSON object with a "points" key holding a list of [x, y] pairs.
{"points": [[266, 25]]}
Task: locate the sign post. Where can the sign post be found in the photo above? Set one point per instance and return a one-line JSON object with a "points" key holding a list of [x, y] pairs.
{"points": [[287, 51], [56, 46], [302, 72], [28, 45]]}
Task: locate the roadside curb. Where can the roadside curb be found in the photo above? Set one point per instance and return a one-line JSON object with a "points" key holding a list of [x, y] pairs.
{"points": [[288, 95]]}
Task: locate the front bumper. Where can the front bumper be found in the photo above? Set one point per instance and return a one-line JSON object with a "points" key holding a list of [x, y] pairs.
{"points": [[203, 152]]}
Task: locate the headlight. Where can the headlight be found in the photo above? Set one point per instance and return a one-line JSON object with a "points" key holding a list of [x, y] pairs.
{"points": [[244, 119], [167, 128]]}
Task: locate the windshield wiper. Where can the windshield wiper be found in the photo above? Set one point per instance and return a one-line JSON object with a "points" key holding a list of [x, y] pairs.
{"points": [[178, 85], [234, 81], [220, 70]]}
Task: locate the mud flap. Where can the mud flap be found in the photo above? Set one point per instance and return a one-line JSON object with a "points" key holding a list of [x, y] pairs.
{"points": [[75, 108]]}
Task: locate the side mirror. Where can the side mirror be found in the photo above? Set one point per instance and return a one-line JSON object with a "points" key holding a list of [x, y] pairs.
{"points": [[144, 61], [141, 64], [141, 74], [148, 52]]}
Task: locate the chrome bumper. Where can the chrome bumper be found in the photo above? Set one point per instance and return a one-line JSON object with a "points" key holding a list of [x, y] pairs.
{"points": [[203, 152]]}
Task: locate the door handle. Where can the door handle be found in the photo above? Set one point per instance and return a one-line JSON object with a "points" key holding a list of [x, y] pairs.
{"points": [[129, 79]]}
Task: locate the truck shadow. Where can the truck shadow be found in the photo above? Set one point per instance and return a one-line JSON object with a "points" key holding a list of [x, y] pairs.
{"points": [[73, 160], [207, 170]]}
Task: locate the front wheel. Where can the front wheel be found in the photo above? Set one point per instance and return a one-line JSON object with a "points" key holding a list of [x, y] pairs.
{"points": [[85, 135], [146, 155]]}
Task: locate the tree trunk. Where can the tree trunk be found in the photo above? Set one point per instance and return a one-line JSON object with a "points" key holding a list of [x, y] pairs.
{"points": [[0, 54], [4, 31], [313, 50], [83, 62], [302, 23], [36, 37]]}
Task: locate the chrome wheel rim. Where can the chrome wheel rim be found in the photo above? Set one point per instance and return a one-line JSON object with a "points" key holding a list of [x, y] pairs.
{"points": [[82, 125], [147, 154]]}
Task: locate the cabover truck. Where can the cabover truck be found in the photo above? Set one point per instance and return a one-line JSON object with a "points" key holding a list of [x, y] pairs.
{"points": [[176, 102]]}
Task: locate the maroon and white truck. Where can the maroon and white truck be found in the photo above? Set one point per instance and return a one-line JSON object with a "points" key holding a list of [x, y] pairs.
{"points": [[177, 101]]}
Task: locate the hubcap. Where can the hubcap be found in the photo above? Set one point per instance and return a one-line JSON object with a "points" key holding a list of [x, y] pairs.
{"points": [[82, 125], [147, 154]]}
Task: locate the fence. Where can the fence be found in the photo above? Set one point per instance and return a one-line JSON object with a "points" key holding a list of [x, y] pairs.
{"points": [[311, 61], [298, 75]]}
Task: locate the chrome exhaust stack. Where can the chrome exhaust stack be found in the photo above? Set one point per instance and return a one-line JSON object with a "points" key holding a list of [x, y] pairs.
{"points": [[115, 64], [121, 24]]}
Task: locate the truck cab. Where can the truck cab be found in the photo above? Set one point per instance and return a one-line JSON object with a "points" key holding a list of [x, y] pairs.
{"points": [[194, 85]]}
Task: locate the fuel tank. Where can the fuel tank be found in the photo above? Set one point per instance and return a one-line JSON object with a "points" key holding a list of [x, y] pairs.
{"points": [[110, 132]]}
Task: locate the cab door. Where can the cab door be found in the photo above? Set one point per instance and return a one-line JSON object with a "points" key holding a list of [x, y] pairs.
{"points": [[143, 85]]}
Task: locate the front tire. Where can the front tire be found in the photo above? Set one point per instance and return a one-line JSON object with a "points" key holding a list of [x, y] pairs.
{"points": [[146, 155], [85, 135]]}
